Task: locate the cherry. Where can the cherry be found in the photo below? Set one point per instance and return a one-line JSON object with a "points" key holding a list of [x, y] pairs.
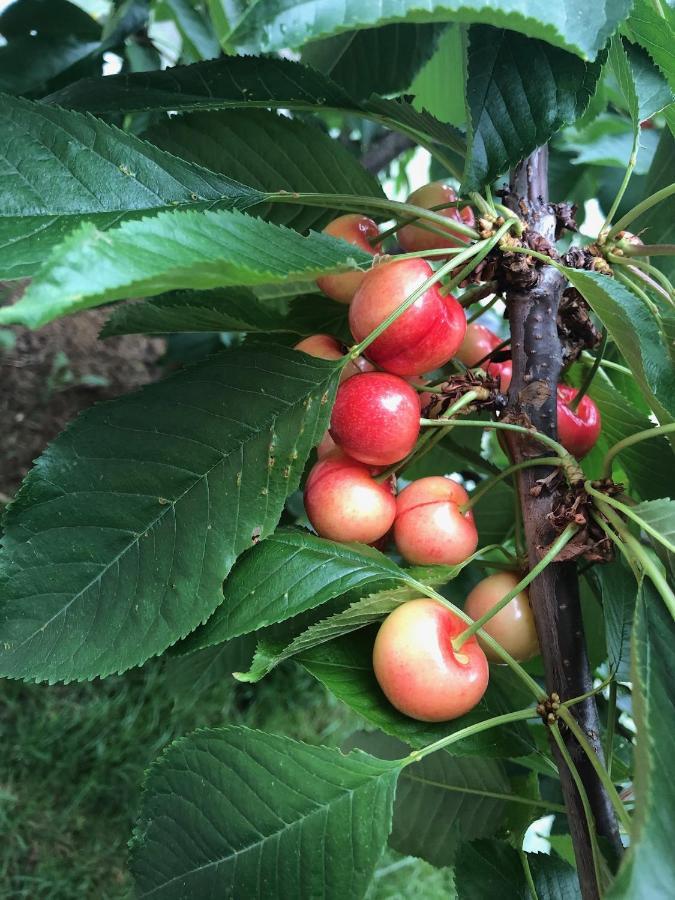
{"points": [[425, 336], [344, 503], [325, 346], [356, 230], [376, 418], [478, 342], [413, 238], [513, 627], [578, 430], [503, 371], [417, 668], [429, 526]]}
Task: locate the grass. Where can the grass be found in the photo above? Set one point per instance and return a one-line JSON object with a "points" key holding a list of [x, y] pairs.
{"points": [[73, 760]]}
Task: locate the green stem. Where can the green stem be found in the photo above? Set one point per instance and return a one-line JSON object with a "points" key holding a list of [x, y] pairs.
{"points": [[409, 221], [528, 875], [645, 435], [485, 247], [626, 178], [422, 254], [600, 770], [627, 511], [515, 666], [589, 360], [469, 731], [481, 205], [477, 292], [591, 693], [507, 798], [481, 309], [646, 249], [358, 349], [493, 480], [504, 426], [611, 723], [629, 282], [649, 270], [561, 541], [590, 375], [590, 822], [642, 207], [525, 251], [618, 542]]}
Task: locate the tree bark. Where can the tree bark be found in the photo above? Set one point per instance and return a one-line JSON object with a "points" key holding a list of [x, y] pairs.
{"points": [[554, 595]]}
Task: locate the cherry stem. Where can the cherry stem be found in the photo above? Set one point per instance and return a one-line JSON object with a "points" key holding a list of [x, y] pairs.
{"points": [[506, 657], [637, 211], [478, 292], [588, 360], [645, 435], [583, 796], [494, 480], [663, 289], [627, 511], [600, 770], [611, 725], [484, 248], [505, 719], [646, 249], [560, 542], [629, 282], [632, 160], [590, 375], [505, 343], [481, 309], [410, 219], [568, 460]]}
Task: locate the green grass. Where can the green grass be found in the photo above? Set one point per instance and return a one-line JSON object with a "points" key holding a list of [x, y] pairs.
{"points": [[73, 759]]}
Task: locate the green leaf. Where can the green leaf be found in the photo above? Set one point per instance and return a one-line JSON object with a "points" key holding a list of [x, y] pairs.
{"points": [[118, 542], [660, 515], [275, 649], [289, 573], [268, 152], [226, 309], [345, 667], [608, 141], [274, 24], [618, 591], [494, 514], [649, 868], [520, 92], [493, 869], [441, 800], [237, 813], [657, 225], [199, 40], [653, 26], [192, 674], [241, 81], [653, 93], [375, 60], [443, 97], [207, 250], [66, 167], [632, 328]]}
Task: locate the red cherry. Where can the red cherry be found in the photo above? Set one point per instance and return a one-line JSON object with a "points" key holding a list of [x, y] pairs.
{"points": [[429, 527], [356, 230], [477, 343], [376, 418], [503, 371], [413, 238], [425, 336], [417, 667], [344, 503], [513, 627], [579, 430], [325, 346]]}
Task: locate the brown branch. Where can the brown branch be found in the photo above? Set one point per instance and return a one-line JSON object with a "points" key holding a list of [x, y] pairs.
{"points": [[537, 362], [385, 150]]}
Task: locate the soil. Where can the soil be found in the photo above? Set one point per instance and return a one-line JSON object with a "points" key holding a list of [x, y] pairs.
{"points": [[49, 376]]}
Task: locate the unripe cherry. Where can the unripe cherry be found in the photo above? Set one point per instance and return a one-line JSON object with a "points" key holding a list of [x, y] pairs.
{"points": [[419, 671], [513, 627], [356, 230], [344, 502], [376, 418], [429, 527], [325, 346], [578, 430], [413, 238], [425, 336]]}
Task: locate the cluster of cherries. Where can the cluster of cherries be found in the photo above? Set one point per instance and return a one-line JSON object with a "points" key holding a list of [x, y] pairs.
{"points": [[375, 424]]}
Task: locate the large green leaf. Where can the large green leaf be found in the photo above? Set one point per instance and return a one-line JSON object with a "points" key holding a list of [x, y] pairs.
{"points": [[274, 24], [242, 81], [118, 542], [653, 26], [374, 60], [657, 225], [269, 152], [64, 167], [494, 869], [199, 40], [439, 86], [237, 813], [345, 667], [520, 91], [227, 309], [649, 868], [641, 84], [635, 333], [618, 590], [289, 573], [174, 250]]}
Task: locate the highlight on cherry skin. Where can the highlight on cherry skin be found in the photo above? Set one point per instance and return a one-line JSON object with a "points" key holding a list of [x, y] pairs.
{"points": [[414, 238], [417, 667], [513, 627], [325, 346], [376, 418], [430, 528], [345, 503], [425, 336], [357, 230], [578, 430]]}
